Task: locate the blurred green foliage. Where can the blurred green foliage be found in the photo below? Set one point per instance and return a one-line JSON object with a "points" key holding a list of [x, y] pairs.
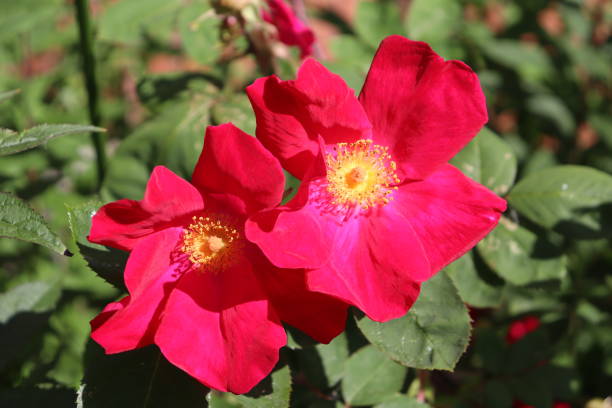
{"points": [[167, 69]]}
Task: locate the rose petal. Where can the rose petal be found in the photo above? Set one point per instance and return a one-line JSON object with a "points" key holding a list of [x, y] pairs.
{"points": [[320, 316], [291, 115], [169, 201], [449, 212], [150, 275], [219, 327], [291, 30], [375, 265], [232, 162], [423, 108]]}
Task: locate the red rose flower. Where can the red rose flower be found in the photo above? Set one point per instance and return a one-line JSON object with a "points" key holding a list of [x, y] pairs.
{"points": [[291, 30], [197, 288], [379, 209], [520, 328]]}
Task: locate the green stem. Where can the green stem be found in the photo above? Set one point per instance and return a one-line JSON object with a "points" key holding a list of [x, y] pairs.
{"points": [[89, 74]]}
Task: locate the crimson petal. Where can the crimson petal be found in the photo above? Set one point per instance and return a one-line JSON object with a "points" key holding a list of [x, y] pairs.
{"points": [[423, 108], [168, 201]]}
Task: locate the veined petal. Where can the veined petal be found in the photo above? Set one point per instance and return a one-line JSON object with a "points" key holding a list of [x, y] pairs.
{"points": [[291, 115], [449, 213], [375, 265], [232, 162], [169, 201], [320, 316], [423, 108], [219, 327], [151, 272]]}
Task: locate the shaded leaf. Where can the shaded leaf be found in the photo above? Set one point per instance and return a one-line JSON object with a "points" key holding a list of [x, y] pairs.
{"points": [[19, 221], [573, 200], [140, 378], [488, 160], [371, 377], [432, 335], [14, 142], [35, 297], [273, 391], [108, 263], [477, 285], [520, 256]]}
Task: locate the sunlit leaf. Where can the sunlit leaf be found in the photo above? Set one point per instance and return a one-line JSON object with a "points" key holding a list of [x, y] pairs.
{"points": [[19, 221], [432, 335], [14, 142], [108, 263], [371, 377], [573, 200]]}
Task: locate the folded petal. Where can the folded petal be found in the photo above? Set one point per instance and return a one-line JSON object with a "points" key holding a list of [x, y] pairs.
{"points": [[320, 316], [297, 235], [232, 162], [449, 213], [291, 30], [150, 274], [220, 328], [168, 201], [291, 115], [423, 108], [376, 264]]}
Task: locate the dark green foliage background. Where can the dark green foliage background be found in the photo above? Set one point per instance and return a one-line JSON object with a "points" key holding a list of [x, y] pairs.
{"points": [[545, 67]]}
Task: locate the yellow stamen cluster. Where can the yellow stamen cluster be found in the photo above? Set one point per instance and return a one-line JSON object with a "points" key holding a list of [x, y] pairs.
{"points": [[209, 241], [360, 174]]}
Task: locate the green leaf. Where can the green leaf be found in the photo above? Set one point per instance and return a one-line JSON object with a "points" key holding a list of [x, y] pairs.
{"points": [[402, 401], [13, 142], [553, 108], [8, 94], [371, 377], [433, 21], [375, 21], [108, 263], [235, 108], [333, 358], [125, 21], [273, 391], [24, 314], [199, 29], [573, 200], [529, 61], [488, 160], [35, 297], [18, 220], [476, 284], [140, 378], [520, 256], [432, 335]]}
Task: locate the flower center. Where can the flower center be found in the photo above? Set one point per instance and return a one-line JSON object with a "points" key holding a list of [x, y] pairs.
{"points": [[209, 241], [360, 174]]}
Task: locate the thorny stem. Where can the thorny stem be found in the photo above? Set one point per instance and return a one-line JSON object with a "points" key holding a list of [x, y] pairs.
{"points": [[89, 74]]}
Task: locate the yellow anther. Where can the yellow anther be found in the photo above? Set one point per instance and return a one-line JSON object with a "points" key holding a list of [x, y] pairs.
{"points": [[360, 174], [209, 242]]}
